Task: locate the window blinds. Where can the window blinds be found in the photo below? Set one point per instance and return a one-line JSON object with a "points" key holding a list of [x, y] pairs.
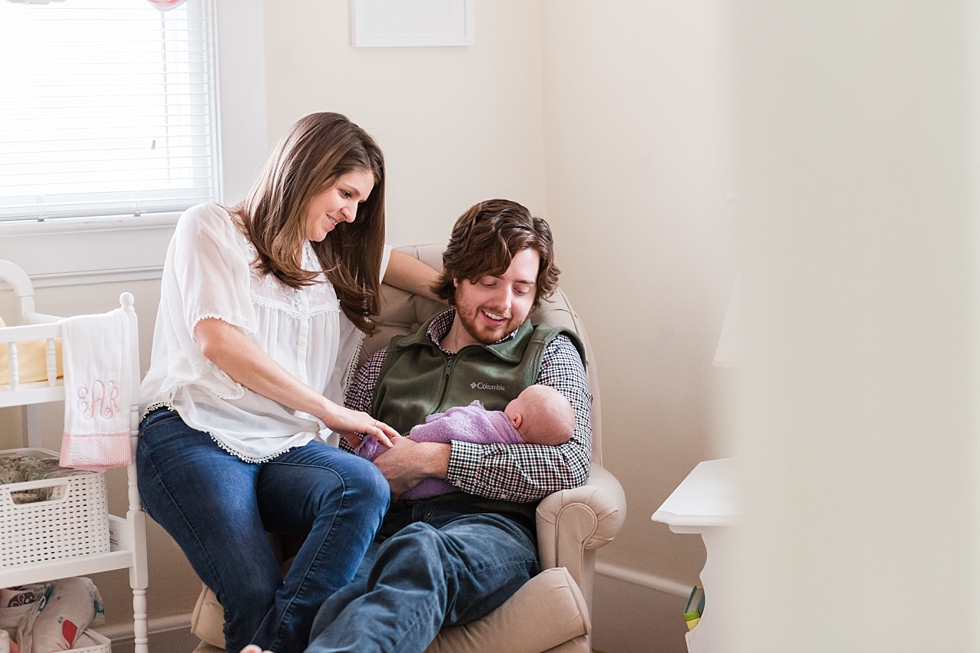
{"points": [[106, 108]]}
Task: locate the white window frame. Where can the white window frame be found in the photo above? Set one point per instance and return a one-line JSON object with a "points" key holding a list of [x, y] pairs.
{"points": [[81, 251]]}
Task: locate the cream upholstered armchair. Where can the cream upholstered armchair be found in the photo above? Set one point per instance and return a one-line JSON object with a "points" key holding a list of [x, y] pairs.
{"points": [[551, 613]]}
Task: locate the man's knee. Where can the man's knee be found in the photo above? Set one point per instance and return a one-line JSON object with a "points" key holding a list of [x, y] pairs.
{"points": [[419, 538]]}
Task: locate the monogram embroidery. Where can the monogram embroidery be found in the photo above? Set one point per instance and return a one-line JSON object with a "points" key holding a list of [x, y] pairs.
{"points": [[99, 400]]}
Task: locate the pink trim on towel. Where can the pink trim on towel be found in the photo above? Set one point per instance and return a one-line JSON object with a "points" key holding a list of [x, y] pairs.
{"points": [[96, 452]]}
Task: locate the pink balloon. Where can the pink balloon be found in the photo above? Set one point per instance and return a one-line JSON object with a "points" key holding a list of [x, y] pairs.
{"points": [[166, 5]]}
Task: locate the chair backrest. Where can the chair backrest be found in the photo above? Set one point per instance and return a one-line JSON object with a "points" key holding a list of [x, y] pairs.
{"points": [[403, 312]]}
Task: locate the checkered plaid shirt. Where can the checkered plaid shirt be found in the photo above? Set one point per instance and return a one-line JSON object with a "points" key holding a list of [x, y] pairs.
{"points": [[511, 472]]}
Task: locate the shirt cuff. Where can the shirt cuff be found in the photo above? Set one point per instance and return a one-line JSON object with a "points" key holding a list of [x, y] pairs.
{"points": [[460, 454]]}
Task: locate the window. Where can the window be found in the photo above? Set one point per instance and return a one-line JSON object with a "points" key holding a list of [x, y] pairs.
{"points": [[106, 109]]}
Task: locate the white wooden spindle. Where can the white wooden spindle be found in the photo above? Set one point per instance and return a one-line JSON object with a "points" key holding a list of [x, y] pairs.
{"points": [[140, 629], [52, 362], [13, 365]]}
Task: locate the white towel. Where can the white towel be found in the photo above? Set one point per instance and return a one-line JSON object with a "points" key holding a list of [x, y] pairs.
{"points": [[99, 387]]}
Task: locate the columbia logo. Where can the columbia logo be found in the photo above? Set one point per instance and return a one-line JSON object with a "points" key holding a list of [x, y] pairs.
{"points": [[487, 386]]}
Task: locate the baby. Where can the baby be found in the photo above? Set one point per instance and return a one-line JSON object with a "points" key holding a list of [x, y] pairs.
{"points": [[539, 415]]}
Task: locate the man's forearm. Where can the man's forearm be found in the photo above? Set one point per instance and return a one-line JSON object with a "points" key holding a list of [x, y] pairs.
{"points": [[408, 463]]}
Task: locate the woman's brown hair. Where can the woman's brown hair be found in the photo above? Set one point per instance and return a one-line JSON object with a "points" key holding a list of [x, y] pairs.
{"points": [[485, 240], [309, 159]]}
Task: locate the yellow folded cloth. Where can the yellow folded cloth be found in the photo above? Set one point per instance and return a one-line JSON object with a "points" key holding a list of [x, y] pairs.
{"points": [[32, 360]]}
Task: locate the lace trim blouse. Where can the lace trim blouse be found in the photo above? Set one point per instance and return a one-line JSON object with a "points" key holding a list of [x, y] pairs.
{"points": [[208, 273]]}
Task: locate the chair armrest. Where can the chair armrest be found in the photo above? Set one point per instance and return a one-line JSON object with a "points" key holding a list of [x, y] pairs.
{"points": [[582, 519]]}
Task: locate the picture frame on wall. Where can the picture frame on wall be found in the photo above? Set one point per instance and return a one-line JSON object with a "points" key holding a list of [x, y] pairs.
{"points": [[412, 23]]}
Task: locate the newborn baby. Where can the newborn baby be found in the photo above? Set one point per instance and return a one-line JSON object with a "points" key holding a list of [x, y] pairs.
{"points": [[539, 415]]}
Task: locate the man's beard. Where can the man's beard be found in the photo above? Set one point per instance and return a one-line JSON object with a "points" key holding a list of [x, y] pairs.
{"points": [[478, 329]]}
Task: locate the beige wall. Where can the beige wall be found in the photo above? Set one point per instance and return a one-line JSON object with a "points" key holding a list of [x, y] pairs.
{"points": [[637, 132], [457, 124]]}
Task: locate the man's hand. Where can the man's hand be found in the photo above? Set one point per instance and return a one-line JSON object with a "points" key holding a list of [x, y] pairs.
{"points": [[408, 463]]}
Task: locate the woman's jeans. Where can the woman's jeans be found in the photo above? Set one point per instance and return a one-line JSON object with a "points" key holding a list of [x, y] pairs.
{"points": [[431, 566], [218, 508]]}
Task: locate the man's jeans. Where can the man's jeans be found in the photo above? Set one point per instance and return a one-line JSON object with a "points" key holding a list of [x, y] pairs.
{"points": [[431, 566], [218, 508]]}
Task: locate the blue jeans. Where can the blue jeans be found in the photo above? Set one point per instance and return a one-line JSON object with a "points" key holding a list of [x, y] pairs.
{"points": [[431, 566], [218, 509]]}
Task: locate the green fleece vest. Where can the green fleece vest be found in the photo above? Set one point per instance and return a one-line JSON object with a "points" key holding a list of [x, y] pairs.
{"points": [[417, 380]]}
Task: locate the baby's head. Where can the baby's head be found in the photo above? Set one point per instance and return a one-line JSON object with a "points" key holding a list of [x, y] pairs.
{"points": [[542, 415]]}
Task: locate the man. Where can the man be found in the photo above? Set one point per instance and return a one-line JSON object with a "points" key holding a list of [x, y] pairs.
{"points": [[453, 558]]}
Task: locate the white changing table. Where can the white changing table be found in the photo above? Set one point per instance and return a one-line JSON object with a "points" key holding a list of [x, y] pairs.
{"points": [[127, 534]]}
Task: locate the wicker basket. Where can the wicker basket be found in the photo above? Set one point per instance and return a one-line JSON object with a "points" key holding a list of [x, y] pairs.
{"points": [[74, 522]]}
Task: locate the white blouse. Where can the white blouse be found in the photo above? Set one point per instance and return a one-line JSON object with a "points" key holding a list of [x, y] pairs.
{"points": [[208, 274]]}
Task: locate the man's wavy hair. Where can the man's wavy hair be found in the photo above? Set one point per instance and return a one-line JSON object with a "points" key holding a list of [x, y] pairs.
{"points": [[485, 240], [310, 158]]}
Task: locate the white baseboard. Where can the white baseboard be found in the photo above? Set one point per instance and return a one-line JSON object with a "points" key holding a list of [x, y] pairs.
{"points": [[636, 612], [649, 581], [159, 625]]}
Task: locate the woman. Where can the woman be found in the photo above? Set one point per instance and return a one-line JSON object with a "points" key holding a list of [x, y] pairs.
{"points": [[261, 312]]}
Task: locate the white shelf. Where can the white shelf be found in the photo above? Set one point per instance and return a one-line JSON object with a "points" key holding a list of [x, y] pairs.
{"points": [[40, 572], [127, 537], [30, 393], [705, 498]]}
